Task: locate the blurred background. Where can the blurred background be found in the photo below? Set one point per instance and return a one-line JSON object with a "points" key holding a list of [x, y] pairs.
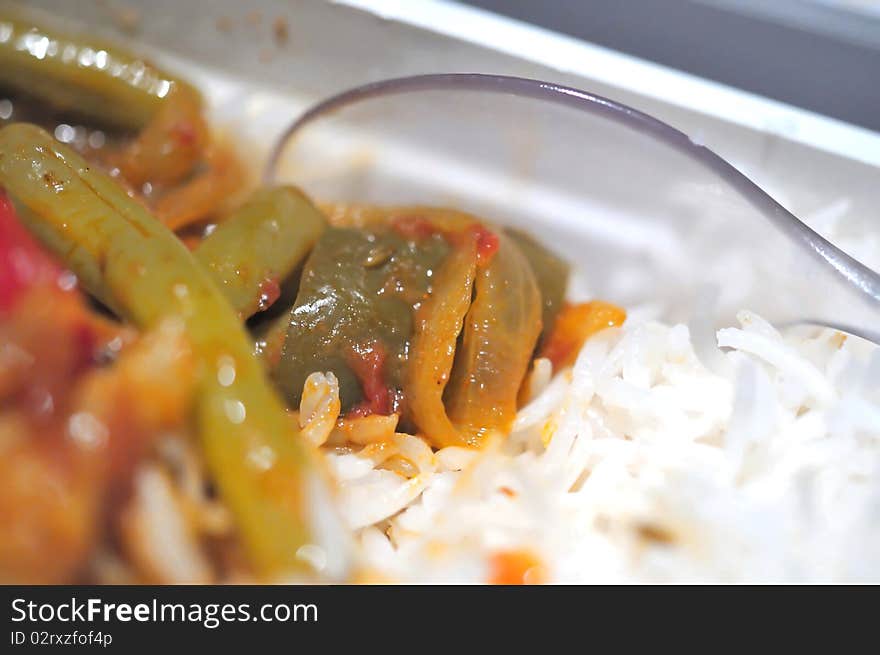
{"points": [[822, 55]]}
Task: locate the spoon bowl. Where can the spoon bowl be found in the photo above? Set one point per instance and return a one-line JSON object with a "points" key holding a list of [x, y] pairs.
{"points": [[651, 218]]}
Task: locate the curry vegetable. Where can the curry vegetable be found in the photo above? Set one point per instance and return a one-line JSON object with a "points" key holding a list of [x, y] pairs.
{"points": [[354, 313], [438, 324], [251, 252], [499, 337], [127, 258], [99, 80]]}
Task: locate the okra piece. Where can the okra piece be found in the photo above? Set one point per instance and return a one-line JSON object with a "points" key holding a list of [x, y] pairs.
{"points": [[254, 250], [126, 257]]}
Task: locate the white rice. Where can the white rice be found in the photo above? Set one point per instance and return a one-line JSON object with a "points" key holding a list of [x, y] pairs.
{"points": [[642, 465]]}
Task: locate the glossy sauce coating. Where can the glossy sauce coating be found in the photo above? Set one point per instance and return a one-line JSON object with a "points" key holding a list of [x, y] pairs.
{"points": [[358, 293]]}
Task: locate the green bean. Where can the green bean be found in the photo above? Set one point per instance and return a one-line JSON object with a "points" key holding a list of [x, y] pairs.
{"points": [[125, 256], [259, 245], [81, 73]]}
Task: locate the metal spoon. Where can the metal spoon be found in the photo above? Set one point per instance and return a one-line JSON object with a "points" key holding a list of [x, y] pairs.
{"points": [[474, 118]]}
